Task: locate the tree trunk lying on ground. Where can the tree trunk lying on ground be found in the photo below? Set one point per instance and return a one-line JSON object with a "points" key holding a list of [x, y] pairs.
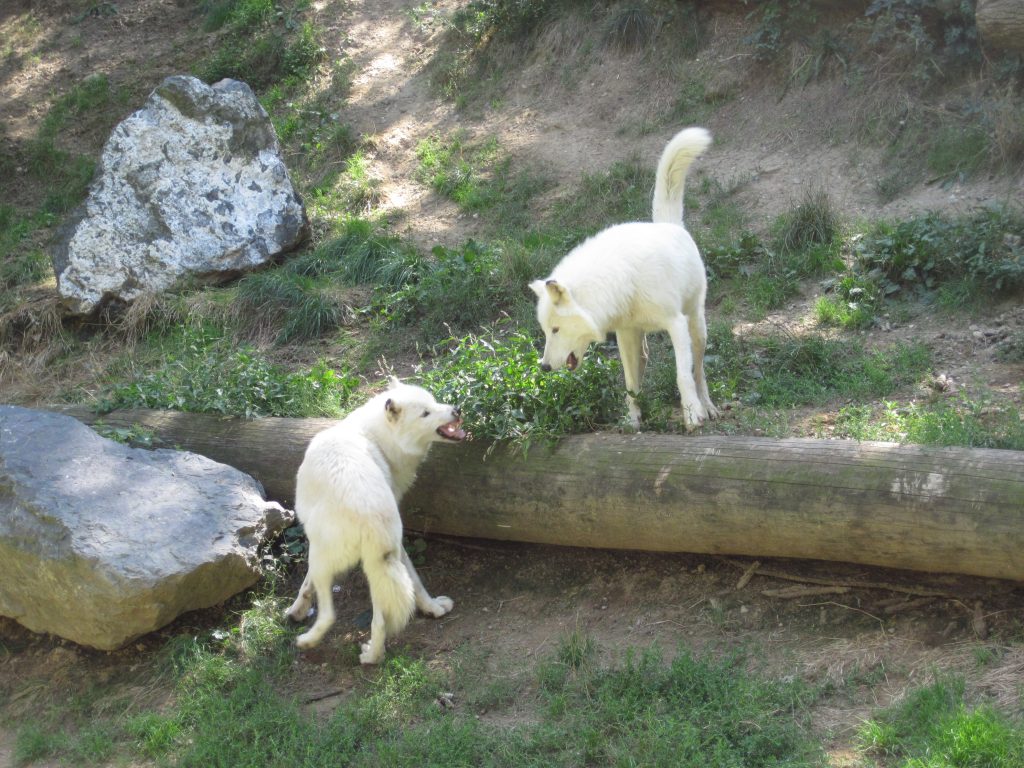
{"points": [[949, 510]]}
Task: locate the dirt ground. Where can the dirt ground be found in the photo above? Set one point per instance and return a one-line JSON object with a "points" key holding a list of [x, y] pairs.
{"points": [[885, 631]]}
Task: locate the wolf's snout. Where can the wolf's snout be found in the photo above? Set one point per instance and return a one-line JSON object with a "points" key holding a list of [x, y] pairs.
{"points": [[545, 367]]}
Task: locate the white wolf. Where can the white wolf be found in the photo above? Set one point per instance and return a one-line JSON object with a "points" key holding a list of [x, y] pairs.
{"points": [[635, 278], [346, 495]]}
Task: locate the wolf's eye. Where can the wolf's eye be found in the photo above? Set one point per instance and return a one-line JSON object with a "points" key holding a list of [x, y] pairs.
{"points": [[554, 330], [425, 414]]}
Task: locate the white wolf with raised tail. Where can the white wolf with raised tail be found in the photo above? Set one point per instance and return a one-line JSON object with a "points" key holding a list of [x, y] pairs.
{"points": [[633, 279], [346, 496]]}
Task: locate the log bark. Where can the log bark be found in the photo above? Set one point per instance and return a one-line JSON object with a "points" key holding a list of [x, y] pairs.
{"points": [[946, 510], [1001, 24]]}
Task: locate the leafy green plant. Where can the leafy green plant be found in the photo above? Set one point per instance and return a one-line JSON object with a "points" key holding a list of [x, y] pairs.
{"points": [[503, 394], [136, 435], [200, 370], [938, 34], [921, 253]]}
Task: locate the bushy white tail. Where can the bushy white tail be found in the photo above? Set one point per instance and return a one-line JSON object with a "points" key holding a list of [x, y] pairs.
{"points": [[670, 182], [391, 590]]}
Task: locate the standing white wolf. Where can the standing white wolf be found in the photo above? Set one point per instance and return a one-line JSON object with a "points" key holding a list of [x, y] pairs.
{"points": [[634, 278], [346, 496]]}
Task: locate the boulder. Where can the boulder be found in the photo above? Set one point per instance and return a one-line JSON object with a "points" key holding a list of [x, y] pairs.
{"points": [[192, 184], [101, 543]]}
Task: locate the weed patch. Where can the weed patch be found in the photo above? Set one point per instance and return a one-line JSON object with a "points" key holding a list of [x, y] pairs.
{"points": [[621, 194]]}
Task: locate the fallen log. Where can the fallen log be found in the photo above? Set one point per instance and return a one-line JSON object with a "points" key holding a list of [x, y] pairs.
{"points": [[946, 510]]}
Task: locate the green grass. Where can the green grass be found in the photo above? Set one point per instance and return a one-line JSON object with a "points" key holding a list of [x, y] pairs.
{"points": [[812, 223], [764, 274], [932, 727], [958, 150], [239, 15], [620, 194], [299, 306], [66, 175], [853, 303]]}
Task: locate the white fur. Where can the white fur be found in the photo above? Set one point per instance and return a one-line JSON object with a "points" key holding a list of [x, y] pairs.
{"points": [[633, 279], [346, 496]]}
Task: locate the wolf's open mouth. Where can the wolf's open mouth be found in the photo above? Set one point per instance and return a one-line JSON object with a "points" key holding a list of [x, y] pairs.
{"points": [[571, 362], [452, 430]]}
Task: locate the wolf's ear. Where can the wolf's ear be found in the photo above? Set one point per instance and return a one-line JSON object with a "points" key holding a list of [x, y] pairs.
{"points": [[537, 286], [393, 382], [392, 410], [558, 292]]}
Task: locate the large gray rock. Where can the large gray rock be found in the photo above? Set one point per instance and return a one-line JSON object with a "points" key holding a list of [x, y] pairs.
{"points": [[101, 543], [191, 184]]}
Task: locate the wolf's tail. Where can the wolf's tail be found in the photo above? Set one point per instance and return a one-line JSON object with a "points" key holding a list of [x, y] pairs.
{"points": [[670, 182], [391, 589]]}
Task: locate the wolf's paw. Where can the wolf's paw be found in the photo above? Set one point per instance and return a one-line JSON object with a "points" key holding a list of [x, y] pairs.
{"points": [[694, 415], [370, 655], [440, 606], [306, 640], [296, 613]]}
